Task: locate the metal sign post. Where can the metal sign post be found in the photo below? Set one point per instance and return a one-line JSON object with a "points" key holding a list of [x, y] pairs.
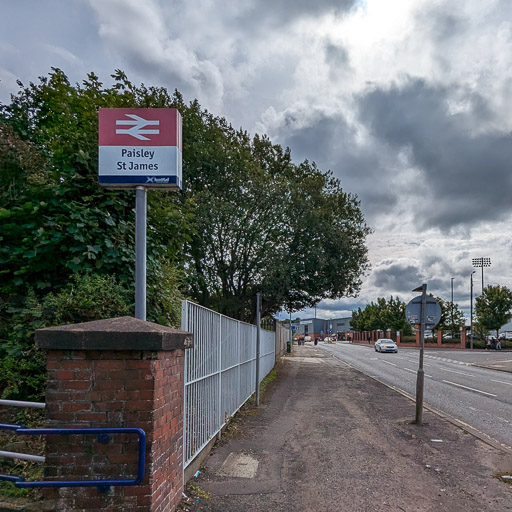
{"points": [[420, 380], [140, 252], [428, 312]]}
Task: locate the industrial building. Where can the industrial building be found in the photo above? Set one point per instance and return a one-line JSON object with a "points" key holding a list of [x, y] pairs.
{"points": [[320, 327]]}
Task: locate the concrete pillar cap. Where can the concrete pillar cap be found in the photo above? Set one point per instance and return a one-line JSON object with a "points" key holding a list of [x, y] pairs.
{"points": [[121, 333]]}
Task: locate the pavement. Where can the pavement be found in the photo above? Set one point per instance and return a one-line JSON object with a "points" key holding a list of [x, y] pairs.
{"points": [[502, 366], [326, 437]]}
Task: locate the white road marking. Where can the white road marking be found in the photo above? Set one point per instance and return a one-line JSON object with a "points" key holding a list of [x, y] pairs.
{"points": [[416, 371], [466, 387], [415, 361], [502, 382], [387, 362], [460, 373]]}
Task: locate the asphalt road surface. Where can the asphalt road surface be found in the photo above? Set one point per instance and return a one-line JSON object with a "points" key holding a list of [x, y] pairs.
{"points": [[479, 398]]}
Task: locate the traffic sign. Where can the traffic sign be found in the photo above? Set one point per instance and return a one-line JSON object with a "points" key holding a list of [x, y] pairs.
{"points": [[140, 147], [432, 314]]}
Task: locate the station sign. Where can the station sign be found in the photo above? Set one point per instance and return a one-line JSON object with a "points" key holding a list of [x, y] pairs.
{"points": [[140, 146]]}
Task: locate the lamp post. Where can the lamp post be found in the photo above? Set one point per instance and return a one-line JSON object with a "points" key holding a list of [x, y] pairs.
{"points": [[471, 313], [482, 262], [451, 309]]}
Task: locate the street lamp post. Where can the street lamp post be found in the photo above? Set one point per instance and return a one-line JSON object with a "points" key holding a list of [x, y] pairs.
{"points": [[471, 313], [451, 309], [482, 262]]}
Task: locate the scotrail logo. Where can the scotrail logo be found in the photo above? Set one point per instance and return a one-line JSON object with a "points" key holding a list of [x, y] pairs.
{"points": [[138, 125], [153, 179]]}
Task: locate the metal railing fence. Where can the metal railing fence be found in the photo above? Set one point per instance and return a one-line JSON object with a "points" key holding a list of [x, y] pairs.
{"points": [[220, 372]]}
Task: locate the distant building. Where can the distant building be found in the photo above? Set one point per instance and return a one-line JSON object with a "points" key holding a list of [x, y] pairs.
{"points": [[320, 326]]}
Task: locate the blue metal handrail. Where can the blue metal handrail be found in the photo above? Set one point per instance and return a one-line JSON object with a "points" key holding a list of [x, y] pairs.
{"points": [[103, 437]]}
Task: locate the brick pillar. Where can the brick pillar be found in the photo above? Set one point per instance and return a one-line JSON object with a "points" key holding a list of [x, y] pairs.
{"points": [[439, 338], [398, 337], [120, 372], [418, 338], [463, 338]]}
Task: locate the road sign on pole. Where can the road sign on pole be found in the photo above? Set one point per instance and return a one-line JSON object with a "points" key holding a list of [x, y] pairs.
{"points": [[425, 311], [140, 146], [432, 313]]}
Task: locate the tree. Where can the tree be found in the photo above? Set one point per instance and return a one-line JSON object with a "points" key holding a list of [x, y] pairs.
{"points": [[55, 219], [265, 225], [382, 316], [452, 317], [58, 227], [248, 220], [493, 307]]}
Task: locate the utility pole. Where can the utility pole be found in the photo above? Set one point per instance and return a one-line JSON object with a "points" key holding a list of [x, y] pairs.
{"points": [[471, 313], [452, 325]]}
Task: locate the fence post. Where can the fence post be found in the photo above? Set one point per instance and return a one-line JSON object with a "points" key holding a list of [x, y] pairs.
{"points": [[220, 419], [120, 372], [258, 348]]}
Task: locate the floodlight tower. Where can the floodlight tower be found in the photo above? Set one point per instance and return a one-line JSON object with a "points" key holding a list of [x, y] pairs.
{"points": [[482, 262]]}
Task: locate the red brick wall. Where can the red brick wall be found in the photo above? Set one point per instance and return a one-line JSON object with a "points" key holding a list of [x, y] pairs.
{"points": [[116, 389]]}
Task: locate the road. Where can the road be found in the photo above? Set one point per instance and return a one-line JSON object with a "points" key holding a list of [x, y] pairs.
{"points": [[479, 398]]}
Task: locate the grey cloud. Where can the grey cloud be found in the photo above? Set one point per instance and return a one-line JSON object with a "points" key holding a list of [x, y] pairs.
{"points": [[275, 13], [465, 173], [340, 305], [398, 277], [338, 60], [444, 26], [330, 141]]}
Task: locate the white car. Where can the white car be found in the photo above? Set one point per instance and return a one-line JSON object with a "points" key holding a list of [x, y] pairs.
{"points": [[385, 345]]}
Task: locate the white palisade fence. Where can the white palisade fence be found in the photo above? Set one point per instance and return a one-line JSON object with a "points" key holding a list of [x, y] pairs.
{"points": [[220, 372]]}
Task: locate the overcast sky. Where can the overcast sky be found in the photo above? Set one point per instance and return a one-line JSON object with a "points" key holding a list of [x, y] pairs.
{"points": [[408, 102]]}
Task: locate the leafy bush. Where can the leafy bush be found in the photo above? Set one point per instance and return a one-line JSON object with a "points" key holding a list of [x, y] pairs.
{"points": [[22, 364], [164, 296], [88, 297]]}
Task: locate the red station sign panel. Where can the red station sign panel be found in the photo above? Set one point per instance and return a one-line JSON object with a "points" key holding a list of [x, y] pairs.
{"points": [[140, 146]]}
